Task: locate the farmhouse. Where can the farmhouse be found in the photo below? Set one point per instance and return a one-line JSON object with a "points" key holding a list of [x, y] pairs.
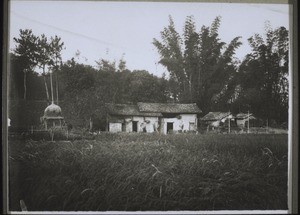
{"points": [[152, 117], [215, 119], [242, 119]]}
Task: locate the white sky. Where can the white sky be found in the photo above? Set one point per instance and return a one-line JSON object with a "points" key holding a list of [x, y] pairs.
{"points": [[110, 29]]}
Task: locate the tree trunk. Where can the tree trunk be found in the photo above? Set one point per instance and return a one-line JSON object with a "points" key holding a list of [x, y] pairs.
{"points": [[25, 86], [190, 88], [51, 85], [46, 87], [56, 87]]}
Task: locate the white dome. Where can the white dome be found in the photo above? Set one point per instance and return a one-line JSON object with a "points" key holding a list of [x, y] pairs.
{"points": [[52, 110]]}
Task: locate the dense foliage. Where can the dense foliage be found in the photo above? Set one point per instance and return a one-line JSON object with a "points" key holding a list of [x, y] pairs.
{"points": [[263, 75], [200, 64], [147, 172], [201, 69]]}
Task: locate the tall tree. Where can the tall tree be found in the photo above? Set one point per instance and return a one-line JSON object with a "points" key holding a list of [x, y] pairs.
{"points": [[56, 47], [44, 59], [170, 50], [263, 75], [200, 65], [49, 58], [105, 65], [26, 50]]}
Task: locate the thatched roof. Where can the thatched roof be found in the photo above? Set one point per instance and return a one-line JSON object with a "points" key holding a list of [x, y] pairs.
{"points": [[215, 116], [168, 108], [244, 116], [127, 110]]}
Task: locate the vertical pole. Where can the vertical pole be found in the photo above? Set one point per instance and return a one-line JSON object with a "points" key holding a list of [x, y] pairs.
{"points": [[57, 87], [228, 125], [51, 82], [91, 124], [248, 121], [107, 125]]}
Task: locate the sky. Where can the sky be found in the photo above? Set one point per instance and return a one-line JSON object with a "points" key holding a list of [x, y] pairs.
{"points": [[116, 30]]}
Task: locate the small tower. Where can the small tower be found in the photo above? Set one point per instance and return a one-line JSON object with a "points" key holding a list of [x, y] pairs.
{"points": [[52, 117]]}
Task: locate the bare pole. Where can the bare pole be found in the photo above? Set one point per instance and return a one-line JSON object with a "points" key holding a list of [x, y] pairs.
{"points": [[51, 87], [229, 118], [56, 87], [248, 121]]}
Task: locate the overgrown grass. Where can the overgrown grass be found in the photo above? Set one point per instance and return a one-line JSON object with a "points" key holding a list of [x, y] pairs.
{"points": [[133, 172]]}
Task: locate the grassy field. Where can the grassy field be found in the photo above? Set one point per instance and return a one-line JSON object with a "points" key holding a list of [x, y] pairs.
{"points": [[133, 172]]}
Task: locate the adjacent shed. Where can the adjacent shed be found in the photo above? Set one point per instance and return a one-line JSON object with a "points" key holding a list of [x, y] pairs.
{"points": [[243, 118], [215, 119]]}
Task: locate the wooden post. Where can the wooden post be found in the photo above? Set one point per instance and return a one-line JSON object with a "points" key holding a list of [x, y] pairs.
{"points": [[229, 125], [107, 124], [248, 122], [91, 124]]}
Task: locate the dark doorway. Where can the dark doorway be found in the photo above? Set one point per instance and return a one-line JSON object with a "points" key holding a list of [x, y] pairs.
{"points": [[123, 127], [169, 126], [134, 126]]}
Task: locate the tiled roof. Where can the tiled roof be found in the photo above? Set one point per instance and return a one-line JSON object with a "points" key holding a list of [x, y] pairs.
{"points": [[168, 108], [127, 110]]}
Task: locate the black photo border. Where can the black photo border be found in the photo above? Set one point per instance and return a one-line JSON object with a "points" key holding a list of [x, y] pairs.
{"points": [[293, 168]]}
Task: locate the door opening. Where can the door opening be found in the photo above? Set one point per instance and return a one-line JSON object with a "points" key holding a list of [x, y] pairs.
{"points": [[169, 127], [134, 126]]}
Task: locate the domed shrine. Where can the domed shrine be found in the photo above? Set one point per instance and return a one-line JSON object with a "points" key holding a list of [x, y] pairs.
{"points": [[52, 117]]}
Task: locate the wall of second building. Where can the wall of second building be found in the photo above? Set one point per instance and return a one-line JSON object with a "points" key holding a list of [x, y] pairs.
{"points": [[241, 122], [185, 122], [244, 122]]}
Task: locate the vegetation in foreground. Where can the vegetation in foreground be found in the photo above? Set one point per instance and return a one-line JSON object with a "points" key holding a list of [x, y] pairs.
{"points": [[135, 172]]}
